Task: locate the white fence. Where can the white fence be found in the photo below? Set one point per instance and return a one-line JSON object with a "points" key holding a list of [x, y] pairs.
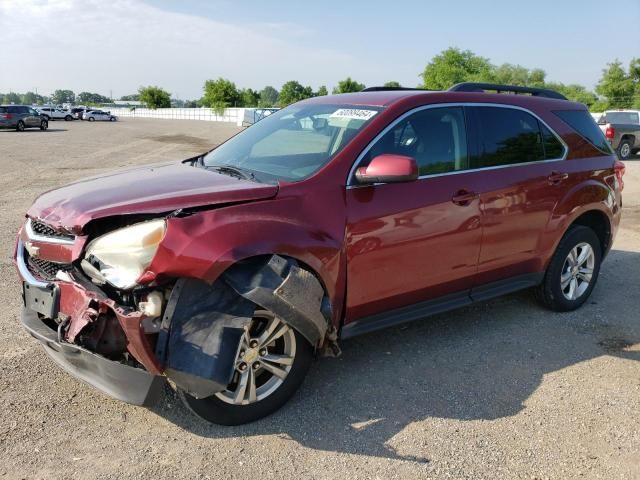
{"points": [[232, 115]]}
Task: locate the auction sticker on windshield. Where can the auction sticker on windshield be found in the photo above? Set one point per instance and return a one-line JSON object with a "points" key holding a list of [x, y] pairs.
{"points": [[353, 113]]}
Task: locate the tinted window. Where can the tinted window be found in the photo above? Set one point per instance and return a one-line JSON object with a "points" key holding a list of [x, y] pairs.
{"points": [[505, 136], [13, 109], [622, 117], [553, 148], [3, 109], [435, 137], [583, 123]]}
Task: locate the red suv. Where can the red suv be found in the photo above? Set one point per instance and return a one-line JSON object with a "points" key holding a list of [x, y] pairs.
{"points": [[333, 217]]}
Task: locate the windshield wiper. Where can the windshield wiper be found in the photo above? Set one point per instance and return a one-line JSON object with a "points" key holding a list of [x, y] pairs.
{"points": [[234, 172]]}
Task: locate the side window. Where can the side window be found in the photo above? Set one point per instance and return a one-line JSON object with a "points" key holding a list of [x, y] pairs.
{"points": [[505, 136], [583, 123], [553, 148], [435, 137]]}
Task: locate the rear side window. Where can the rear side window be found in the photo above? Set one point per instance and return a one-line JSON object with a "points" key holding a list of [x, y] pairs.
{"points": [[584, 124], [3, 109], [552, 147], [506, 136]]}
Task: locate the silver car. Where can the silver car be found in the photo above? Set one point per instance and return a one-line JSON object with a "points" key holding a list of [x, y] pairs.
{"points": [[93, 115]]}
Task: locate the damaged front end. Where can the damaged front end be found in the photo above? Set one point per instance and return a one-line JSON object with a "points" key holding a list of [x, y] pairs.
{"points": [[85, 303]]}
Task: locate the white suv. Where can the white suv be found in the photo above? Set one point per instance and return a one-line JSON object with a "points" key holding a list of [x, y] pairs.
{"points": [[55, 113]]}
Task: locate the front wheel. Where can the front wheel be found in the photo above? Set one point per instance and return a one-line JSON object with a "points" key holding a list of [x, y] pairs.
{"points": [[113, 119], [624, 150], [271, 364], [68, 118], [573, 270]]}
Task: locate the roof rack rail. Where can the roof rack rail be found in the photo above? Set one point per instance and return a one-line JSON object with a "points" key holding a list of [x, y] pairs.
{"points": [[481, 87], [389, 89]]}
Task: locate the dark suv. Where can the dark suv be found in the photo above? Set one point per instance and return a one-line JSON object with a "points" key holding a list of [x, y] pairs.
{"points": [[333, 217], [19, 117]]}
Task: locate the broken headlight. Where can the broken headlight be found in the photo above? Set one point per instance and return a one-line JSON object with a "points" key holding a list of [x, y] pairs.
{"points": [[121, 256]]}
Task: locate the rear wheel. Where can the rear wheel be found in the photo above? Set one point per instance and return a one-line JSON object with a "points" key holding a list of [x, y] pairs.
{"points": [[20, 126], [44, 125], [271, 364], [624, 150], [573, 271]]}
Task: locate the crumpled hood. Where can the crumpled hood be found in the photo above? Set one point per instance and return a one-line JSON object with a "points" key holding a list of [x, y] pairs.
{"points": [[151, 189]]}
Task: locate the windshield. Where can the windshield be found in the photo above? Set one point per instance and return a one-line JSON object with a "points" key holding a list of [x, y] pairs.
{"points": [[293, 143]]}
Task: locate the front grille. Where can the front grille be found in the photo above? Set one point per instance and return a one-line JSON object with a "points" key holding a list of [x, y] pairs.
{"points": [[45, 230], [44, 269]]}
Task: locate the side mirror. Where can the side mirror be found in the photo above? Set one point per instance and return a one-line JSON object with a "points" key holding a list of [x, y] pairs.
{"points": [[388, 168]]}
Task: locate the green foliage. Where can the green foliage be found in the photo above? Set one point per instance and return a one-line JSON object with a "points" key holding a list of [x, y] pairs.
{"points": [[393, 84], [454, 66], [220, 94], [249, 98], [268, 97], [87, 98], [11, 98], [292, 92], [154, 97], [130, 98], [63, 96], [322, 91], [31, 98], [348, 85], [191, 104], [618, 86]]}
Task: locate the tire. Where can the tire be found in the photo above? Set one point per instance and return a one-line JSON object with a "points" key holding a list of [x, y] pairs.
{"points": [[20, 126], [220, 407], [624, 150], [68, 118], [44, 125], [91, 119], [578, 284], [112, 119]]}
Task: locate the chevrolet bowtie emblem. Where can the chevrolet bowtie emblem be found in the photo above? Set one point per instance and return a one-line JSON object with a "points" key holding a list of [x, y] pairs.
{"points": [[32, 249]]}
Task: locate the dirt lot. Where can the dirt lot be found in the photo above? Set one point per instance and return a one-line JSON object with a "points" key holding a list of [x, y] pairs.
{"points": [[503, 389]]}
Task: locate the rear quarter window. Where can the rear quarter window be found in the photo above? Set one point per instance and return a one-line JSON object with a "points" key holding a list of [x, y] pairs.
{"points": [[583, 123]]}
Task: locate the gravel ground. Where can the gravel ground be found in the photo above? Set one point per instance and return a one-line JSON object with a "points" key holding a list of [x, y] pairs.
{"points": [[503, 389]]}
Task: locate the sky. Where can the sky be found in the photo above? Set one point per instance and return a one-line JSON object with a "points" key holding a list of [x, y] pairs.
{"points": [[112, 47]]}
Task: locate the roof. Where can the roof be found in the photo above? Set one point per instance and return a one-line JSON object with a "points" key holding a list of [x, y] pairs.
{"points": [[388, 97]]}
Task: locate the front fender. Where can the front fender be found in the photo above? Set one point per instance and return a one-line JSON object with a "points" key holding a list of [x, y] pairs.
{"points": [[205, 244]]}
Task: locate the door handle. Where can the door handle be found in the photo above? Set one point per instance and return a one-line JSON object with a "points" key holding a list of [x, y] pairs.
{"points": [[557, 177], [464, 197]]}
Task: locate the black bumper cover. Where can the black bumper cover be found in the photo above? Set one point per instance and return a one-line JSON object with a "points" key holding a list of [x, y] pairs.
{"points": [[129, 384]]}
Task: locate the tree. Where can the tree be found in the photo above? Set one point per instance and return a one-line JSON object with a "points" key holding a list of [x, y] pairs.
{"points": [[191, 104], [220, 94], [11, 98], [31, 98], [508, 74], [292, 92], [454, 66], [154, 97], [63, 96], [618, 86], [87, 98], [268, 97], [249, 98], [322, 91], [392, 84], [347, 85], [131, 98]]}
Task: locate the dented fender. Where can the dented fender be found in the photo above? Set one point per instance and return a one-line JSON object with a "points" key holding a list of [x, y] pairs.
{"points": [[203, 324]]}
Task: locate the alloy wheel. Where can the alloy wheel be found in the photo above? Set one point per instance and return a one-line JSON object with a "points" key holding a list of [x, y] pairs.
{"points": [[265, 357], [577, 271]]}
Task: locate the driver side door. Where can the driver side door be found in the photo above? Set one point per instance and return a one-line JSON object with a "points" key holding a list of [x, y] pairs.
{"points": [[415, 242]]}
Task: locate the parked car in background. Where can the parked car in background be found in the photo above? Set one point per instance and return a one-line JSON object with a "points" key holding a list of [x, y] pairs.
{"points": [[52, 113], [20, 117], [76, 112], [93, 115], [224, 274], [622, 130]]}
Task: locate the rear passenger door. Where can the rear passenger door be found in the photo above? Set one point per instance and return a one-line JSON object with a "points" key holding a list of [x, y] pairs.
{"points": [[521, 162]]}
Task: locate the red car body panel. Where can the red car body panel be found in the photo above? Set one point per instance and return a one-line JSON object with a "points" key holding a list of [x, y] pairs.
{"points": [[374, 248]]}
